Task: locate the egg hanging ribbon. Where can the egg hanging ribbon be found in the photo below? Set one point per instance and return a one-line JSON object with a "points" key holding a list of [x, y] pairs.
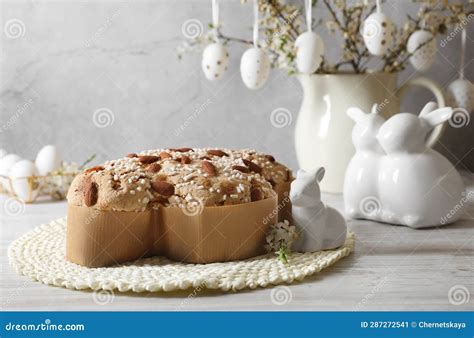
{"points": [[309, 46], [215, 58], [254, 65], [460, 93]]}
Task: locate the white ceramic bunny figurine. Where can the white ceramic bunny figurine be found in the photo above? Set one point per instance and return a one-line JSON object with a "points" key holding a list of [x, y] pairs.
{"points": [[360, 180], [417, 186], [321, 227]]}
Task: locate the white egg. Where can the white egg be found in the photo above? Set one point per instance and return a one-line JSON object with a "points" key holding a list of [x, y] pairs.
{"points": [[460, 94], [378, 32], [6, 163], [423, 57], [24, 185], [215, 60], [47, 160], [309, 52], [3, 153], [254, 68]]}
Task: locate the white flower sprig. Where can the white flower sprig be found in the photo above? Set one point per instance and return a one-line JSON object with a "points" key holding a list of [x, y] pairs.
{"points": [[280, 239]]}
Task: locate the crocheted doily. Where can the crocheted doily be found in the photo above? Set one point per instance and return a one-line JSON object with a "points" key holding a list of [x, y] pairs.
{"points": [[40, 255]]}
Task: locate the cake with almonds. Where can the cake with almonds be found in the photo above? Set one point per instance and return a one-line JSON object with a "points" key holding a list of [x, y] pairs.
{"points": [[191, 205], [178, 178]]}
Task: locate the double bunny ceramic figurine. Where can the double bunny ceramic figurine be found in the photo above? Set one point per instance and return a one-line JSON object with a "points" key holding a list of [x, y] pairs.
{"points": [[394, 177], [321, 227]]}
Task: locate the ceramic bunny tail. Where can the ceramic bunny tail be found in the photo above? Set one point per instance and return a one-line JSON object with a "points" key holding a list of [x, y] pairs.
{"points": [[336, 230]]}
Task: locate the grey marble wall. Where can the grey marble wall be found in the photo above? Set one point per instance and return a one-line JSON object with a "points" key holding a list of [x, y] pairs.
{"points": [[103, 77]]}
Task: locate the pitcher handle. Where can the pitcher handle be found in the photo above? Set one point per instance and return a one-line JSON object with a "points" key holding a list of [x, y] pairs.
{"points": [[437, 92]]}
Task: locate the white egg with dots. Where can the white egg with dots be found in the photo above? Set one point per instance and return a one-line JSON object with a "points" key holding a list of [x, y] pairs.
{"points": [[309, 52], [254, 68], [215, 61], [377, 33], [422, 45]]}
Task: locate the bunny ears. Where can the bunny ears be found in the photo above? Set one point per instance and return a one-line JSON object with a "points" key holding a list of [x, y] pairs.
{"points": [[317, 173], [430, 113], [356, 114], [434, 115]]}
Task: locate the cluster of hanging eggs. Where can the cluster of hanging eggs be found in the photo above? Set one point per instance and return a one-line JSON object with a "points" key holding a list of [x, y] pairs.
{"points": [[215, 61]]}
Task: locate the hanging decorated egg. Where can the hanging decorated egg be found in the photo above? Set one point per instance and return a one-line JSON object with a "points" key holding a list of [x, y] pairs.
{"points": [[309, 52], [378, 32], [23, 184], [423, 47], [460, 94], [215, 60], [254, 68]]}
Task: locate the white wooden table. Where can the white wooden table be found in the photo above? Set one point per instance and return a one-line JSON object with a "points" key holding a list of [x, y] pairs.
{"points": [[392, 268]]}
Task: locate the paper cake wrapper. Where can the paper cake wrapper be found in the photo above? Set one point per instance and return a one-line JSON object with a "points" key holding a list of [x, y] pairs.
{"points": [[98, 238]]}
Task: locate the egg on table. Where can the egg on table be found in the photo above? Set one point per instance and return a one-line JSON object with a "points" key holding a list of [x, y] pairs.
{"points": [[6, 163], [254, 68], [3, 152], [460, 94], [309, 52], [377, 33], [23, 183], [47, 160], [215, 61], [423, 47]]}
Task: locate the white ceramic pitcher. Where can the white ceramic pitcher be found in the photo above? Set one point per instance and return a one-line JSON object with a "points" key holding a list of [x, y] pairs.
{"points": [[323, 129]]}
